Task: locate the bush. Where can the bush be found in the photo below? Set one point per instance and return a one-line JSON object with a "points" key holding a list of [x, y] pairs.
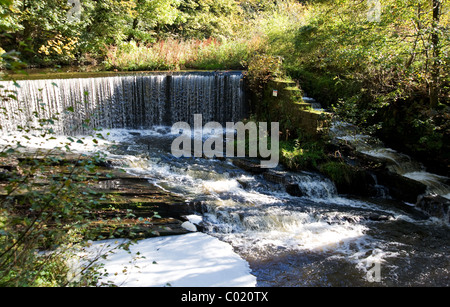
{"points": [[301, 154], [171, 54]]}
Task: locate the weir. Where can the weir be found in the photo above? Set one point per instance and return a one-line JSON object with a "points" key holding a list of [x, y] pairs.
{"points": [[137, 101]]}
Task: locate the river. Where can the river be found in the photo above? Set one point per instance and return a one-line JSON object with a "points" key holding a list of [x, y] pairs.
{"points": [[319, 239]]}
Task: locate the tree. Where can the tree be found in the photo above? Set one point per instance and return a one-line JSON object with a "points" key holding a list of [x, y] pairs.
{"points": [[206, 18], [435, 41], [151, 15]]}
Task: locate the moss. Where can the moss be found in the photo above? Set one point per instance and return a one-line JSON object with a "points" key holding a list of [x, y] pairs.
{"points": [[301, 154], [348, 179], [338, 172]]}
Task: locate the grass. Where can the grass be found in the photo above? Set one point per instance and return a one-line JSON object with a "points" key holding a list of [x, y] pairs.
{"points": [[172, 54], [301, 154]]}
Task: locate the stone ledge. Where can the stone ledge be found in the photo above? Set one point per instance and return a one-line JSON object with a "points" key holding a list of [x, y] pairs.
{"points": [[125, 204]]}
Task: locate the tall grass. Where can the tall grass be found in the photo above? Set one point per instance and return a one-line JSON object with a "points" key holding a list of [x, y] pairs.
{"points": [[174, 54]]}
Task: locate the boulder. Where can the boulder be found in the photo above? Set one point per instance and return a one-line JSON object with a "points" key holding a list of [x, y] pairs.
{"points": [[400, 187], [435, 206], [294, 190]]}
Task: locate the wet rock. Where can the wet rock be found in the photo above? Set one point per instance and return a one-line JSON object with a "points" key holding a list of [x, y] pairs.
{"points": [[249, 166], [349, 179], [294, 190], [401, 187], [435, 206], [379, 217], [244, 183], [276, 177]]}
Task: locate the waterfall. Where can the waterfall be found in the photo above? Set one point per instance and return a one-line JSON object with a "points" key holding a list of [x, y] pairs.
{"points": [[132, 101], [314, 185], [396, 162]]}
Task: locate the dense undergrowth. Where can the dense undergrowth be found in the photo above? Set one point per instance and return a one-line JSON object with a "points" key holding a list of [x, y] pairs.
{"points": [[386, 73]]}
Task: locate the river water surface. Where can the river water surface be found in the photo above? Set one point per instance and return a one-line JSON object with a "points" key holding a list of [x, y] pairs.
{"points": [[319, 239]]}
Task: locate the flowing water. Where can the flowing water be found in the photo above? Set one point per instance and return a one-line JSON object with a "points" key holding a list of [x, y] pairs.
{"points": [[396, 162], [319, 239], [131, 101]]}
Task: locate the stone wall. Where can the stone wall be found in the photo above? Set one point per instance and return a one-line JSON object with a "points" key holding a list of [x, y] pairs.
{"points": [[282, 102]]}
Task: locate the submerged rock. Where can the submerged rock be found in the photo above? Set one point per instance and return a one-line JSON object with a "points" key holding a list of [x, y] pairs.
{"points": [[294, 190]]}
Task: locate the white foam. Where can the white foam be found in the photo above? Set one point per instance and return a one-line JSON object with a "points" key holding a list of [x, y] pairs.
{"points": [[192, 260], [195, 219]]}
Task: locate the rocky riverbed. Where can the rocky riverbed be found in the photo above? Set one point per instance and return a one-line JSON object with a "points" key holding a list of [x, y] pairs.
{"points": [[126, 205]]}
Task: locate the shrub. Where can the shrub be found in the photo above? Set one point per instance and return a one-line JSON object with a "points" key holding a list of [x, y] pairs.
{"points": [[301, 154], [172, 54]]}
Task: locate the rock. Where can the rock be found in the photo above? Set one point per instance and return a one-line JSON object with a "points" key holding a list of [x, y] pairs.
{"points": [[57, 158], [132, 228], [294, 190], [435, 206], [349, 179], [244, 183], [249, 166], [379, 217], [125, 204], [276, 177], [189, 226], [400, 187]]}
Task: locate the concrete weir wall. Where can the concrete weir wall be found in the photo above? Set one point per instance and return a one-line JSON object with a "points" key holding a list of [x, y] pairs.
{"points": [[282, 101]]}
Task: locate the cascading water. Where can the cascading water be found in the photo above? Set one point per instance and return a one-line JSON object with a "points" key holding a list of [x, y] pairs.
{"points": [[396, 162], [133, 102], [318, 239]]}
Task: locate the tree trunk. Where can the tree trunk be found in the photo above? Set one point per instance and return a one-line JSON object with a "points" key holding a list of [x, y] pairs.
{"points": [[435, 71], [135, 24]]}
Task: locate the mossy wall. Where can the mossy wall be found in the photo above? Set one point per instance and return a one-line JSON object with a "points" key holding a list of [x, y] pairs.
{"points": [[282, 102]]}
